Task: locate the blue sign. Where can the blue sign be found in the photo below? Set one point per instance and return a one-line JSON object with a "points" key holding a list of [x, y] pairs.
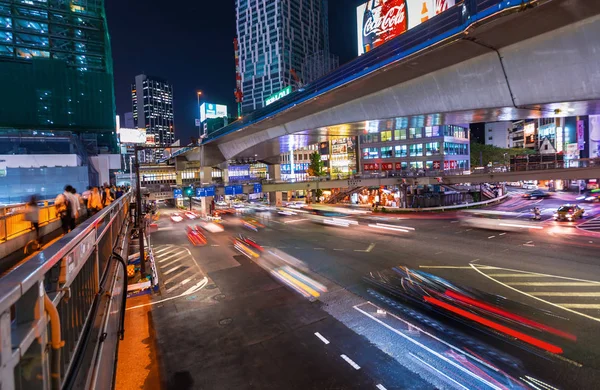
{"points": [[177, 193], [234, 190], [257, 188], [205, 191]]}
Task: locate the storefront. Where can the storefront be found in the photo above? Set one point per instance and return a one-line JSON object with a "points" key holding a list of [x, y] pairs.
{"points": [[343, 158]]}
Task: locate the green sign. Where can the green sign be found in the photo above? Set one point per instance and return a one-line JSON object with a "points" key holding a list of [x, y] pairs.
{"points": [[278, 95]]}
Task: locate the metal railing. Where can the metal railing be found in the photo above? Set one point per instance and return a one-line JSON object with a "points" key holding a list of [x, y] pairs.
{"points": [[61, 308], [13, 223]]}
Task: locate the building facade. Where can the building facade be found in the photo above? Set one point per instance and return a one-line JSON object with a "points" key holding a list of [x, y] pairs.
{"points": [[55, 60], [395, 146], [152, 101], [275, 37], [499, 134]]}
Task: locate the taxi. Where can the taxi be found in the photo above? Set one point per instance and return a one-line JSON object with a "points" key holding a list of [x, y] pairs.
{"points": [[568, 212]]}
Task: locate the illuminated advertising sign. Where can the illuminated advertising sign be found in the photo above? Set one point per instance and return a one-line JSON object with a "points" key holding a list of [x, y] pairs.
{"points": [[203, 192], [150, 139], [379, 21], [278, 95], [211, 111], [132, 136], [594, 136], [581, 135]]}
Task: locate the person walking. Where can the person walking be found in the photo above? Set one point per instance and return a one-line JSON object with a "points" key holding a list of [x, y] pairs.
{"points": [[85, 196], [32, 214], [64, 209], [79, 206], [106, 196], [94, 203], [119, 192]]}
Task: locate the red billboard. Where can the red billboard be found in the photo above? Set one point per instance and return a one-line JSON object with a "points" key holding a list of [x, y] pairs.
{"points": [[378, 21]]}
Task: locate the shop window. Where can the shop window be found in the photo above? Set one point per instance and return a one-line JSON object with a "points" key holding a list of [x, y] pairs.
{"points": [[386, 152], [400, 134], [416, 165], [428, 164], [401, 150], [416, 150], [370, 153], [415, 132], [386, 136]]}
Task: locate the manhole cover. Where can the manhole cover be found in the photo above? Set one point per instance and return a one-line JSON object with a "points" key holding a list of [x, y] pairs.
{"points": [[211, 286], [225, 321], [219, 297]]}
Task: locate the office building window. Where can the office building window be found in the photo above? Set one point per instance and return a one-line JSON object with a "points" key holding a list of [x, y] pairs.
{"points": [[370, 153], [416, 150], [400, 134], [453, 148], [432, 131], [415, 132], [386, 152], [401, 150], [416, 164], [432, 148], [386, 136]]}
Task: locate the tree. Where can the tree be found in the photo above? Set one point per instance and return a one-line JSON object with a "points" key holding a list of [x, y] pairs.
{"points": [[485, 154], [315, 168]]}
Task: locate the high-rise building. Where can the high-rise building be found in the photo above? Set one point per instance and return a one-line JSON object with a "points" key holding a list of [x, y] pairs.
{"points": [[274, 39], [56, 69], [152, 100]]}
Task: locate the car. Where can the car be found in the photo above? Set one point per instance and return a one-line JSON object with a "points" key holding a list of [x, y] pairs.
{"points": [[191, 215], [536, 194], [176, 217], [589, 197], [568, 212]]}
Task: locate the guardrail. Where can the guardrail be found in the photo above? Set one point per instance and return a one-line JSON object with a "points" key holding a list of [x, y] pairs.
{"points": [[13, 223], [60, 310], [454, 207]]}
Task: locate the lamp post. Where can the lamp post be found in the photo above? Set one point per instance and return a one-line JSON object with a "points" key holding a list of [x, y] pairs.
{"points": [[198, 94]]}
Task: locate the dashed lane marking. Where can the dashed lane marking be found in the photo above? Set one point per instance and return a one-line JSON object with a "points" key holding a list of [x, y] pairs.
{"points": [[350, 362], [381, 387], [323, 339]]}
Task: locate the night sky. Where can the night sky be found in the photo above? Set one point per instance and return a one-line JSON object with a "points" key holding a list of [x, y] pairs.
{"points": [[190, 43]]}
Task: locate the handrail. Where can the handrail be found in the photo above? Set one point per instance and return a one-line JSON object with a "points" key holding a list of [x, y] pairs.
{"points": [[13, 223], [69, 272]]}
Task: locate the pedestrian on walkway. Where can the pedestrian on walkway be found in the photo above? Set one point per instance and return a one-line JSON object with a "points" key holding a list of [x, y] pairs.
{"points": [[94, 203], [85, 196], [106, 196], [65, 209], [79, 206], [32, 214]]}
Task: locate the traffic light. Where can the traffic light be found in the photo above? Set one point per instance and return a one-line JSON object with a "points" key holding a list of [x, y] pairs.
{"points": [[188, 192]]}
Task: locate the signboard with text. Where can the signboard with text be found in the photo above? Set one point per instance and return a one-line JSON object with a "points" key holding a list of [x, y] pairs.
{"points": [[278, 95], [132, 136], [234, 190], [177, 193], [203, 192], [257, 188], [379, 22], [212, 111]]}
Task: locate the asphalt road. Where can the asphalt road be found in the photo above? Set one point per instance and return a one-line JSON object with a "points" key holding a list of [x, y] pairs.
{"points": [[222, 321]]}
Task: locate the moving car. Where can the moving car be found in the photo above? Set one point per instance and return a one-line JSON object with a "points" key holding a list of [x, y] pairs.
{"points": [[191, 215], [176, 217], [568, 212], [590, 196], [536, 194]]}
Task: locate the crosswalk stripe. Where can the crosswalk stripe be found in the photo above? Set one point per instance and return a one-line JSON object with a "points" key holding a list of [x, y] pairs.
{"points": [[173, 269], [552, 284], [579, 305], [169, 264], [177, 275], [169, 257], [180, 284], [565, 294]]}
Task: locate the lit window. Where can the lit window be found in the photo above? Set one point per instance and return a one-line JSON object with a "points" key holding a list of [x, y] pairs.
{"points": [[386, 135], [401, 151], [386, 152]]}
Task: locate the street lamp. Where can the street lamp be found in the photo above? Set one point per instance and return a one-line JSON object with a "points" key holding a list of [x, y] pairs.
{"points": [[199, 93]]}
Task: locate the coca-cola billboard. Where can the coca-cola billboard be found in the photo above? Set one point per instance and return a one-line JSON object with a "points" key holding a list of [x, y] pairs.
{"points": [[379, 21]]}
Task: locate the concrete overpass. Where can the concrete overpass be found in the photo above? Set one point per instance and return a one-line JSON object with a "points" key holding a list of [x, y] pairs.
{"points": [[515, 60]]}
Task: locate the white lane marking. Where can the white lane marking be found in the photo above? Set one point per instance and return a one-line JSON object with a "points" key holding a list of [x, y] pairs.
{"points": [[199, 286], [369, 248], [215, 245], [438, 371], [296, 220], [516, 276], [173, 269], [528, 245], [529, 242], [162, 260], [501, 234], [453, 221], [170, 263], [550, 284], [319, 249], [540, 383], [381, 387], [440, 356], [534, 297], [350, 362], [323, 339], [182, 283], [388, 228], [335, 249], [566, 294], [521, 226], [579, 305], [468, 230], [168, 247], [491, 237]]}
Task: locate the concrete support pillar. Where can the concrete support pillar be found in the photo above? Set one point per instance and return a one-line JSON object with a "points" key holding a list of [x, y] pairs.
{"points": [[205, 205], [225, 175], [275, 198], [206, 175], [275, 172]]}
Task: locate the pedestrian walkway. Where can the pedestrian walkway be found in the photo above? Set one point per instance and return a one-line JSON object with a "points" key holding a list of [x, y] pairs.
{"points": [[578, 296], [592, 225], [178, 269]]}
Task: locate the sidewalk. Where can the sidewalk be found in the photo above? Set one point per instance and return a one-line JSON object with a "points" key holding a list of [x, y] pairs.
{"points": [[137, 362]]}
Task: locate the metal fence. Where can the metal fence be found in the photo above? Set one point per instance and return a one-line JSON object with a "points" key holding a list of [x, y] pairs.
{"points": [[13, 223], [59, 309]]}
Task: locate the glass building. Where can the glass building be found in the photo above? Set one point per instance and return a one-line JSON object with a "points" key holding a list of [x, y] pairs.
{"points": [[275, 37], [56, 69], [152, 100], [395, 145]]}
